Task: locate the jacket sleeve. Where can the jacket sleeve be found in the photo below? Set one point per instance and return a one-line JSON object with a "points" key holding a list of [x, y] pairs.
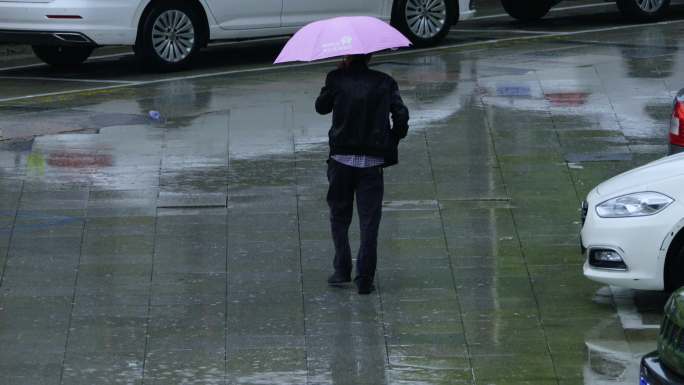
{"points": [[326, 100], [400, 114]]}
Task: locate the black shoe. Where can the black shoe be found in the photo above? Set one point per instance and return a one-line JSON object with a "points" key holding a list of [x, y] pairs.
{"points": [[365, 286], [338, 278]]}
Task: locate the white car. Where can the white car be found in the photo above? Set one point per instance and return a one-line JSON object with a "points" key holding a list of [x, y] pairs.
{"points": [[632, 232], [167, 33], [641, 10]]}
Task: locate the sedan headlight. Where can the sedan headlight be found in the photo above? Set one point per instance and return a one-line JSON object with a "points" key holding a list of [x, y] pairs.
{"points": [[634, 205]]}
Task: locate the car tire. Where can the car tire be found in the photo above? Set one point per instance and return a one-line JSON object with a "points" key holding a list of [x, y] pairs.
{"points": [[424, 22], [60, 56], [169, 36], [674, 267], [526, 10], [643, 10]]}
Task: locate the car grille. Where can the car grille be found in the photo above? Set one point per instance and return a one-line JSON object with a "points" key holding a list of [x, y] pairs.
{"points": [[585, 210]]}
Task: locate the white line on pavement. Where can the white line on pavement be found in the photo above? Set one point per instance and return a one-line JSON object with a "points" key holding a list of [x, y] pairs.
{"points": [[22, 67], [58, 93], [165, 80], [42, 78], [524, 31], [299, 65], [19, 67], [559, 9]]}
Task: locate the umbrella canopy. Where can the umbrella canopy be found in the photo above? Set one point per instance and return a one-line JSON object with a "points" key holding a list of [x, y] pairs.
{"points": [[341, 36]]}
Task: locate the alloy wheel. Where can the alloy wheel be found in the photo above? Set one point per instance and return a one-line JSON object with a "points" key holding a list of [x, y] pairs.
{"points": [[426, 18], [173, 36], [649, 5]]}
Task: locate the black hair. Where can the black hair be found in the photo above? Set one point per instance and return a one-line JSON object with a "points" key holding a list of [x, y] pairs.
{"points": [[356, 60]]}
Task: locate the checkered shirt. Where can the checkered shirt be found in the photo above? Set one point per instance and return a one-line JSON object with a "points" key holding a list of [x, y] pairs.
{"points": [[359, 161]]}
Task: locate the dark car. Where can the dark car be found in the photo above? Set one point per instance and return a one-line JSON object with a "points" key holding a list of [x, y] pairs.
{"points": [[677, 124], [666, 365], [529, 10]]}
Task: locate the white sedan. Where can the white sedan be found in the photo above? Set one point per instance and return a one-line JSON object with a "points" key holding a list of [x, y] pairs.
{"points": [[167, 33], [632, 233]]}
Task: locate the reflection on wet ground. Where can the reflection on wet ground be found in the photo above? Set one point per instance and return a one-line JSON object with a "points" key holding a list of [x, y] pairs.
{"points": [[194, 250]]}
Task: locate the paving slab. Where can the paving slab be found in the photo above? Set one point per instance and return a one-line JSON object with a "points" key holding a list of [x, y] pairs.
{"points": [[195, 250]]}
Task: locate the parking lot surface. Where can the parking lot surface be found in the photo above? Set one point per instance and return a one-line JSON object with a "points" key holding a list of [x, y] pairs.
{"points": [[193, 249]]}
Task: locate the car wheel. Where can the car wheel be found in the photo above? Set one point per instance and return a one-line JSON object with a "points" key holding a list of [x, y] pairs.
{"points": [[526, 10], [169, 36], [643, 10], [58, 56], [674, 268], [424, 22]]}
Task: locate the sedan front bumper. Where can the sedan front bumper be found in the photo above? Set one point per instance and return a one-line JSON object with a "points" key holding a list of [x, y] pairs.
{"points": [[637, 240]]}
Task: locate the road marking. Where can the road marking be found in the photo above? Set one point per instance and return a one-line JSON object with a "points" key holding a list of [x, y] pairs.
{"points": [[58, 93], [44, 78], [559, 9], [300, 65], [108, 56], [22, 66], [524, 31]]}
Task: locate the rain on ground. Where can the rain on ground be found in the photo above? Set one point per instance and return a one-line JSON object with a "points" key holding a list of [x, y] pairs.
{"points": [[194, 249]]}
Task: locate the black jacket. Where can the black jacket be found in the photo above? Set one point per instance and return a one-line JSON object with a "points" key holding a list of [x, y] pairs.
{"points": [[361, 101]]}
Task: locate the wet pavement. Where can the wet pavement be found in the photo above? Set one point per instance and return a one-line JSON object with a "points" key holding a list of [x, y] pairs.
{"points": [[194, 250]]}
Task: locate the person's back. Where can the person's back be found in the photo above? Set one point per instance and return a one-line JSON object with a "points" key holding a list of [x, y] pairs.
{"points": [[361, 101], [362, 142]]}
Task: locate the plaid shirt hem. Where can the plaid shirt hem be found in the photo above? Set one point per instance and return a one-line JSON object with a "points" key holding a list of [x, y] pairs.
{"points": [[359, 161]]}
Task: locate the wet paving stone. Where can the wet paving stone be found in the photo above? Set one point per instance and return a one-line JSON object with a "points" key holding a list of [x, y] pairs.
{"points": [[174, 199], [195, 251], [95, 367], [285, 365]]}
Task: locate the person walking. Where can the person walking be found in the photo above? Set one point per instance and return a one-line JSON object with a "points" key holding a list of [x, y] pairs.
{"points": [[362, 143]]}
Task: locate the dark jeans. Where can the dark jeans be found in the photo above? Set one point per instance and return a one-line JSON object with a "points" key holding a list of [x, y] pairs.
{"points": [[368, 186]]}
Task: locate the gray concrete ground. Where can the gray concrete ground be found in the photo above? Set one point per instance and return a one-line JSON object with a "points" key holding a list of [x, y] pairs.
{"points": [[195, 250]]}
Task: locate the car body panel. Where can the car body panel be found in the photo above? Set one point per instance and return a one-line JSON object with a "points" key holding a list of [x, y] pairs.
{"points": [[658, 172], [301, 12], [115, 22], [104, 21], [240, 14]]}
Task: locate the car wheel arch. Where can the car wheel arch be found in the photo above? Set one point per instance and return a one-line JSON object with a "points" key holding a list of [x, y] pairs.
{"points": [[204, 12], [670, 250]]}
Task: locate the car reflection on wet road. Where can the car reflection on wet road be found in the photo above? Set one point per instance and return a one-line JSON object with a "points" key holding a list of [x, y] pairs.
{"points": [[194, 250]]}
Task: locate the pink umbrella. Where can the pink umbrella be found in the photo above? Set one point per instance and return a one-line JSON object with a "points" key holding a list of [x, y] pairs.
{"points": [[341, 36]]}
